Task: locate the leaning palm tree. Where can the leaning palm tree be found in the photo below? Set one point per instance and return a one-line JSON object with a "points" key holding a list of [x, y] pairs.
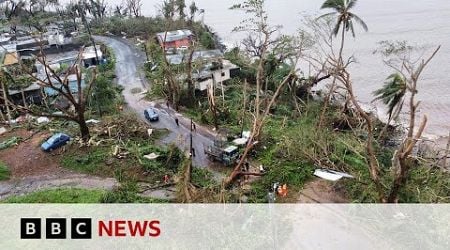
{"points": [[344, 18], [392, 94]]}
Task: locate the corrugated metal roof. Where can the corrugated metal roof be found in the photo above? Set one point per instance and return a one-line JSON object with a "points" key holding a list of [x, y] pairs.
{"points": [[175, 35], [10, 59]]}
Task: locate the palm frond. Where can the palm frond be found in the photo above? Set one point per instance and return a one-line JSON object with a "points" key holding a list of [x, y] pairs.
{"points": [[337, 27], [333, 4], [360, 21], [327, 15], [351, 3], [392, 92], [350, 27]]}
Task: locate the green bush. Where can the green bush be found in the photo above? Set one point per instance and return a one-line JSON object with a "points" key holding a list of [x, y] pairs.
{"points": [[4, 172], [89, 162], [202, 178]]}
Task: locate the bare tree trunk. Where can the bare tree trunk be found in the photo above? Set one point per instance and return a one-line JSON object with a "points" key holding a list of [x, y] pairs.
{"points": [[212, 104], [256, 131], [5, 99], [374, 167], [244, 108], [23, 99], [84, 129], [447, 151], [340, 65], [403, 167], [388, 123], [190, 81]]}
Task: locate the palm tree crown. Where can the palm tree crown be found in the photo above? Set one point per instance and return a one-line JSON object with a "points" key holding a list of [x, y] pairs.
{"points": [[344, 16], [392, 93]]}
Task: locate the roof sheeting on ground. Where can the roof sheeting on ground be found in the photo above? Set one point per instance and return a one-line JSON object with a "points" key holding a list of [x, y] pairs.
{"points": [[331, 175]]}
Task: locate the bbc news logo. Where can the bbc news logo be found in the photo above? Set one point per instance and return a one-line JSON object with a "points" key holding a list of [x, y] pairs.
{"points": [[81, 228]]}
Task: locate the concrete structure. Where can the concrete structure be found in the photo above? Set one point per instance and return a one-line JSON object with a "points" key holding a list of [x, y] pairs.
{"points": [[213, 76], [70, 57], [32, 95], [215, 69], [175, 39]]}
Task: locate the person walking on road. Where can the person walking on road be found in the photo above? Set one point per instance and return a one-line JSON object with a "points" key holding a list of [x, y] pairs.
{"points": [[177, 122]]}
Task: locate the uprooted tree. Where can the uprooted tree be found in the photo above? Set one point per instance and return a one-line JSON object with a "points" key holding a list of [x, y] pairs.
{"points": [[70, 85]]}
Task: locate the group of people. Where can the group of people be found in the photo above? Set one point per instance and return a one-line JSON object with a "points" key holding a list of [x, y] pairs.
{"points": [[277, 190]]}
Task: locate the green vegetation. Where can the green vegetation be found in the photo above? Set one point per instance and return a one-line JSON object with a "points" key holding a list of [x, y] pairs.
{"points": [[9, 142], [106, 95], [127, 193], [120, 152], [93, 161], [4, 172], [202, 178], [147, 27], [292, 147], [62, 195]]}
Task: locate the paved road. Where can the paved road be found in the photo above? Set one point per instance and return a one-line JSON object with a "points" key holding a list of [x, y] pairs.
{"points": [[129, 62]]}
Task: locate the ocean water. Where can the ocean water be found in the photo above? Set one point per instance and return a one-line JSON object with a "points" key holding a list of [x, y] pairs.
{"points": [[423, 22]]}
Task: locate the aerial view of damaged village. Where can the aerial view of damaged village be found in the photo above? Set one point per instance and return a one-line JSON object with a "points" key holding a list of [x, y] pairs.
{"points": [[233, 101]]}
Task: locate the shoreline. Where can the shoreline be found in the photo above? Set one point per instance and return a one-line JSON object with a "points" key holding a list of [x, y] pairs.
{"points": [[438, 143]]}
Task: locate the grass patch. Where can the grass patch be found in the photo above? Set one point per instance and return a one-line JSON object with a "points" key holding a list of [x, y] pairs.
{"points": [[91, 161], [128, 193], [4, 172], [202, 178], [62, 195]]}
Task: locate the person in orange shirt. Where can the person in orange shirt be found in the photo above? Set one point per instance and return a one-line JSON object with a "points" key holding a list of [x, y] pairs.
{"points": [[283, 190]]}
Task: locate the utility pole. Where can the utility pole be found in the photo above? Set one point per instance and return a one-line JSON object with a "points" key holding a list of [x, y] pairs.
{"points": [[192, 150]]}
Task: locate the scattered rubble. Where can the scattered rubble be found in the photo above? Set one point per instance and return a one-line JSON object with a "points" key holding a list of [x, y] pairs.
{"points": [[42, 120], [92, 121], [13, 141]]}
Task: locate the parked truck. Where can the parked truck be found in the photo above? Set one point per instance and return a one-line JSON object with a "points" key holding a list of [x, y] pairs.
{"points": [[222, 152]]}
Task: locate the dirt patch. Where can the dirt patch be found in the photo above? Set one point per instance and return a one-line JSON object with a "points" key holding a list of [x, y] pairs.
{"points": [[322, 191], [27, 158], [36, 183]]}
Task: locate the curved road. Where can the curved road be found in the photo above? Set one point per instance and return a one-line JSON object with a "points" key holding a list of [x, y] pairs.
{"points": [[129, 62]]}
